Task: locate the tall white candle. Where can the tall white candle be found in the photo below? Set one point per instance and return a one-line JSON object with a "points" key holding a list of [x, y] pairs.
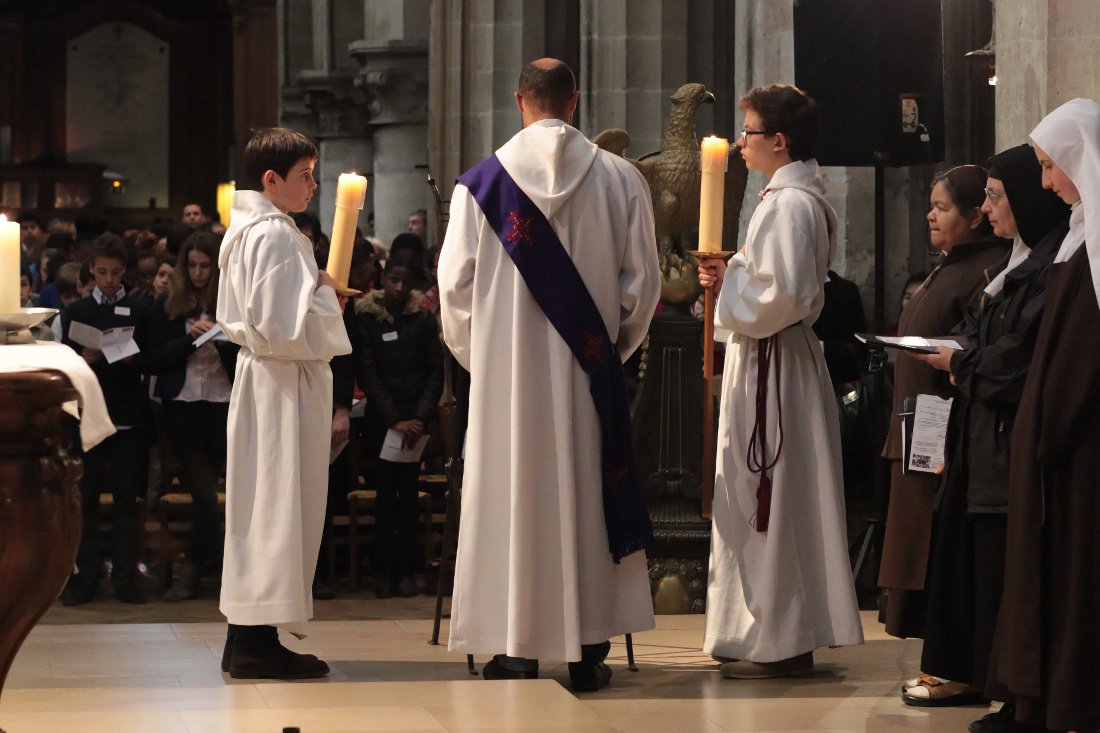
{"points": [[9, 266], [713, 158], [351, 193]]}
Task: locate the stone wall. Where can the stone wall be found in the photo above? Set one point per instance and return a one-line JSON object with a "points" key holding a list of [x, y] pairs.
{"points": [[1046, 55]]}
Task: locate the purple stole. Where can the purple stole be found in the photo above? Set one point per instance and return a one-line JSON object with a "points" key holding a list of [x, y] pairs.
{"points": [[557, 287]]}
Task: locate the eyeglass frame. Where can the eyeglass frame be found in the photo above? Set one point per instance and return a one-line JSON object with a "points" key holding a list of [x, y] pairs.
{"points": [[994, 196], [746, 133]]}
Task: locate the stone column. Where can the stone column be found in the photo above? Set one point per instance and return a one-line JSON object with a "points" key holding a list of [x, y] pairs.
{"points": [[319, 95], [634, 56], [478, 48], [1046, 55], [395, 77], [338, 119], [392, 59]]}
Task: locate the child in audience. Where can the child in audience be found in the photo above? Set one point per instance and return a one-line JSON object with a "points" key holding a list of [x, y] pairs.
{"points": [[163, 277], [400, 367], [115, 465], [194, 385]]}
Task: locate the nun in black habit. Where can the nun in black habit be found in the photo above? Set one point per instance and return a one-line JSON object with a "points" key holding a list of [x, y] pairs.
{"points": [[968, 554]]}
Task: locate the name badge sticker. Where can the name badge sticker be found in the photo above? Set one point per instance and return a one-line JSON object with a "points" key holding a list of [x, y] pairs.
{"points": [[122, 310], [389, 336]]}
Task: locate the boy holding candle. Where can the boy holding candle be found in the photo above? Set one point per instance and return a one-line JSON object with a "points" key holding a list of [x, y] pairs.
{"points": [[285, 315], [780, 584]]}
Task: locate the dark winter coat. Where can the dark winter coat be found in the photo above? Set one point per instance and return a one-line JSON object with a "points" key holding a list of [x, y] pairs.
{"points": [[400, 362]]}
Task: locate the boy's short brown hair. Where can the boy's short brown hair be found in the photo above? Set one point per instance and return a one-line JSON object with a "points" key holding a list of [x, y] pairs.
{"points": [[109, 246], [787, 109], [273, 149]]}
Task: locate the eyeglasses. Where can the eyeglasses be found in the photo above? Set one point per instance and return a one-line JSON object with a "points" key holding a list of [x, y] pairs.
{"points": [[993, 196], [746, 133]]}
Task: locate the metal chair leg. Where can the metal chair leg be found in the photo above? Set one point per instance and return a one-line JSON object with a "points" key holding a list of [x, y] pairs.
{"points": [[446, 553]]}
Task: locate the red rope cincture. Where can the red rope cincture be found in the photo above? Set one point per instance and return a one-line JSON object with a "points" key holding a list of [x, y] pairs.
{"points": [[757, 457]]}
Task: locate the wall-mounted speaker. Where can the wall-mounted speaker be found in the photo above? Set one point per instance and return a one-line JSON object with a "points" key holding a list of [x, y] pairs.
{"points": [[875, 69]]}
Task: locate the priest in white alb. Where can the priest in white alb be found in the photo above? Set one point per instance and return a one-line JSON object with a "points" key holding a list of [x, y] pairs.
{"points": [[548, 280], [780, 584]]}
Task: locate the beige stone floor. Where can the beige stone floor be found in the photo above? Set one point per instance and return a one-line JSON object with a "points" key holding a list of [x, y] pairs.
{"points": [[78, 671]]}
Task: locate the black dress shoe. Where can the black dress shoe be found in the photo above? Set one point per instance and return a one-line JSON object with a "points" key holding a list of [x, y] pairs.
{"points": [[494, 670], [230, 642], [257, 654], [588, 677], [130, 593], [78, 591], [1003, 721], [227, 650]]}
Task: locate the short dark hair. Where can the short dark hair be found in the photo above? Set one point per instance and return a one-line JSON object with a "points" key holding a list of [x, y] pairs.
{"points": [[361, 251], [309, 219], [59, 240], [174, 238], [548, 90], [109, 246], [408, 243], [273, 149], [30, 216], [408, 261], [965, 185], [787, 109]]}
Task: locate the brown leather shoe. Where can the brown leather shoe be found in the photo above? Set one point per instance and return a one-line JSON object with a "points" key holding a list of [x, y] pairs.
{"points": [[800, 666], [257, 654], [934, 692]]}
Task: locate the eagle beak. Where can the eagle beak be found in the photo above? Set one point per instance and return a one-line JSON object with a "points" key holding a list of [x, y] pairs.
{"points": [[708, 98]]}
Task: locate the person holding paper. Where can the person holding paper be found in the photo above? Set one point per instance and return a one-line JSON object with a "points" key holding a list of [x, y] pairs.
{"points": [[194, 382], [960, 231], [1046, 640], [117, 465], [548, 279], [285, 315], [780, 582], [400, 368], [968, 551]]}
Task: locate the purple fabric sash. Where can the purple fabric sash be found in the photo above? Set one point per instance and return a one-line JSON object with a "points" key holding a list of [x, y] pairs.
{"points": [[557, 287]]}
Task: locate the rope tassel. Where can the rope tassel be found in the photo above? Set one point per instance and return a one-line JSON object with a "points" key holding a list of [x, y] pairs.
{"points": [[757, 458], [763, 503]]}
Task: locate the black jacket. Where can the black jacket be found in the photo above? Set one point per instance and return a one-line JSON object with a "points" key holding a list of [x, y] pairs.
{"points": [[170, 346], [121, 381], [343, 366], [840, 319], [400, 361], [1003, 329]]}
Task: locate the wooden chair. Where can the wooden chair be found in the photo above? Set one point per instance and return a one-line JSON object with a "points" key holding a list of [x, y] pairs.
{"points": [[176, 517]]}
